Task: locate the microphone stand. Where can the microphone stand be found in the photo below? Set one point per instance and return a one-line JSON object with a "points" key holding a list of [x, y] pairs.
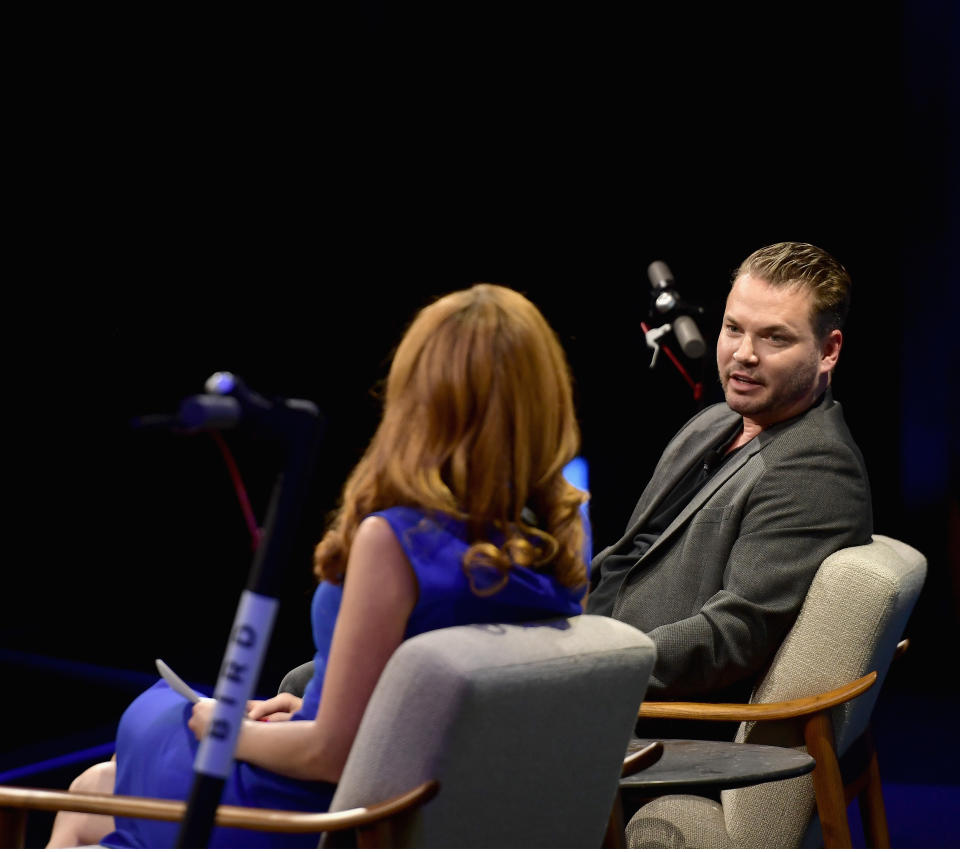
{"points": [[664, 299], [652, 336], [299, 424]]}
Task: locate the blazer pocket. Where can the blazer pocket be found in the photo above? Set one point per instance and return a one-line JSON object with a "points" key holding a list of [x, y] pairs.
{"points": [[705, 532], [705, 550]]}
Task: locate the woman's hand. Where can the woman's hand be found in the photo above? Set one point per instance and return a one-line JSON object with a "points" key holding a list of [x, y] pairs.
{"points": [[200, 719], [277, 709]]}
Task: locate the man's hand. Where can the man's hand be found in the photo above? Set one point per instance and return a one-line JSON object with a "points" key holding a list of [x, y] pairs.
{"points": [[277, 709]]}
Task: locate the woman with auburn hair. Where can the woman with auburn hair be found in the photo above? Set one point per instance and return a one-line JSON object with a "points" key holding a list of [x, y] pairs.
{"points": [[457, 513]]}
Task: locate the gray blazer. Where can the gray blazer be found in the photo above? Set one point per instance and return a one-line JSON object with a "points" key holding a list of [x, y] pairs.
{"points": [[722, 585]]}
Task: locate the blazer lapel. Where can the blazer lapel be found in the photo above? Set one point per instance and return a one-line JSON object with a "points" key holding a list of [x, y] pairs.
{"points": [[688, 449], [710, 487], [694, 446]]}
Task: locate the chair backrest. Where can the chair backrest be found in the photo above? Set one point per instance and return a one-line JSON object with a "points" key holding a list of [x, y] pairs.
{"points": [[524, 726], [850, 623]]}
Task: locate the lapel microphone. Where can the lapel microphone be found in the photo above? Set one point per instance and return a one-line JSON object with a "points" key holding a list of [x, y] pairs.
{"points": [[711, 461]]}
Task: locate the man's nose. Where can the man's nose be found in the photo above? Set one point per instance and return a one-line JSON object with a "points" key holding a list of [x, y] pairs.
{"points": [[745, 353]]}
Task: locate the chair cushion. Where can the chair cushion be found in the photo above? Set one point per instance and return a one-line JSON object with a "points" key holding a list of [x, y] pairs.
{"points": [[678, 822], [295, 681], [524, 726]]}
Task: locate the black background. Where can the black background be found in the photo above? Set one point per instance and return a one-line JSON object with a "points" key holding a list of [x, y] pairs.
{"points": [[278, 196]]}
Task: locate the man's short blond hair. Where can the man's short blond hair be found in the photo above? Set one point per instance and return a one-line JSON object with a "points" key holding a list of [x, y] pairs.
{"points": [[805, 266]]}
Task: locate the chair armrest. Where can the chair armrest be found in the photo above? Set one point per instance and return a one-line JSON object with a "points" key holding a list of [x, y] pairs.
{"points": [[791, 709], [641, 759], [234, 816]]}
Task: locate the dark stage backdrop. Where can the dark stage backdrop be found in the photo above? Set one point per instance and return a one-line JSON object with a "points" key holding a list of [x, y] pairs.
{"points": [[281, 209]]}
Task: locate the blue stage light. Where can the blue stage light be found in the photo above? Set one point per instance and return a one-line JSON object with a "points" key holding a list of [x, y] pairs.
{"points": [[577, 473]]}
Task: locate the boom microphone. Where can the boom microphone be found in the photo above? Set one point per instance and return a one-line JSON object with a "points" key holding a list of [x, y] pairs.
{"points": [[660, 275], [688, 336], [684, 328], [229, 403]]}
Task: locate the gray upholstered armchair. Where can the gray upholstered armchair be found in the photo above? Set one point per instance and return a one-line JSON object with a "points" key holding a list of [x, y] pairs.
{"points": [[484, 735], [818, 694]]}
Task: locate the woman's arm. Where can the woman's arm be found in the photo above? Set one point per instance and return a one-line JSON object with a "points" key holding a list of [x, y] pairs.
{"points": [[379, 594]]}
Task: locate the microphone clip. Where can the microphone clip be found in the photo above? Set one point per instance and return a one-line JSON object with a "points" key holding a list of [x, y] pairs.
{"points": [[669, 301], [652, 336]]}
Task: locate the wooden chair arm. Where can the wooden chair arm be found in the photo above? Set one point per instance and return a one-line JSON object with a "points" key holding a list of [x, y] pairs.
{"points": [[233, 816], [640, 759], [791, 709]]}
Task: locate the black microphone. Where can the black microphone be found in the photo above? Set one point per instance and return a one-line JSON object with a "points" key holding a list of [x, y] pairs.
{"points": [[711, 461], [209, 411], [229, 403], [684, 328], [660, 275], [196, 413]]}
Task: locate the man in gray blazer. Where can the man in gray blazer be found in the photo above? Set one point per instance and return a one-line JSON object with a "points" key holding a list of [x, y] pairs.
{"points": [[751, 495]]}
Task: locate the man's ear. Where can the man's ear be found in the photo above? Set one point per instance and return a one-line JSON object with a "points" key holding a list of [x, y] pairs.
{"points": [[830, 350]]}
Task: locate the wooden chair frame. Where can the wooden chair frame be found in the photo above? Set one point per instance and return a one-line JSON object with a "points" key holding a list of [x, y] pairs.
{"points": [[375, 827], [632, 764], [836, 782]]}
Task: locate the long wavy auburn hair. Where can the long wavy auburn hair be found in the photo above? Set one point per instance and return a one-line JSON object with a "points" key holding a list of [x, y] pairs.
{"points": [[478, 423]]}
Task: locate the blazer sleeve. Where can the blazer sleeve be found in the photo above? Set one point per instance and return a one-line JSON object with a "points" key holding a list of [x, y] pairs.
{"points": [[805, 506]]}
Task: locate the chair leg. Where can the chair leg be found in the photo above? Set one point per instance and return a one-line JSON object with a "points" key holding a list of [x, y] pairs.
{"points": [[827, 782], [391, 832], [872, 811], [614, 837], [378, 835], [13, 828]]}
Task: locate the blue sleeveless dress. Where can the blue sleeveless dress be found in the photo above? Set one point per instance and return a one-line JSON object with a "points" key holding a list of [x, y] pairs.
{"points": [[156, 749]]}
